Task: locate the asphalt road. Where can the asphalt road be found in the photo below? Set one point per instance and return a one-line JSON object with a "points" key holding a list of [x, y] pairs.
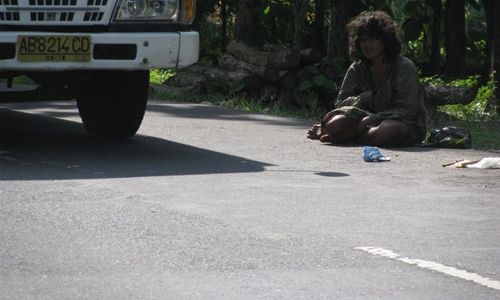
{"points": [[212, 203]]}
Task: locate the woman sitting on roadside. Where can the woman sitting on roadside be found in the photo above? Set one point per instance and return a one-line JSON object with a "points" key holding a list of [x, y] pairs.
{"points": [[381, 101]]}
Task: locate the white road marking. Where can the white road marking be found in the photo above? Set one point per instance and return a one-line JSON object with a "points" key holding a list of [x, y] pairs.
{"points": [[430, 265]]}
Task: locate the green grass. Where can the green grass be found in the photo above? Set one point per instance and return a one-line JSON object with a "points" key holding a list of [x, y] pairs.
{"points": [[174, 95], [485, 134], [231, 101], [23, 80], [478, 117], [160, 76]]}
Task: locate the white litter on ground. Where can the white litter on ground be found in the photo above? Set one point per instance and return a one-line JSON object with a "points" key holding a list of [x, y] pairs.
{"points": [[486, 163]]}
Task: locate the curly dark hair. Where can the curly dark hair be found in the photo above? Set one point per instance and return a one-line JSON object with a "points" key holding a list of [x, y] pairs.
{"points": [[373, 24]]}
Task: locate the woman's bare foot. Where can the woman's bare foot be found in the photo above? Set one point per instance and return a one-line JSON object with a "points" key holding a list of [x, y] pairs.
{"points": [[315, 132]]}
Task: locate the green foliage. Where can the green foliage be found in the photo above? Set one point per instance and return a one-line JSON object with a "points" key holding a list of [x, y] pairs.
{"points": [[247, 104], [481, 108], [378, 5], [416, 19], [309, 91], [236, 87], [267, 10], [210, 38], [476, 53], [464, 82], [23, 80], [321, 81], [306, 85], [276, 23], [160, 76], [313, 70], [485, 134], [277, 20]]}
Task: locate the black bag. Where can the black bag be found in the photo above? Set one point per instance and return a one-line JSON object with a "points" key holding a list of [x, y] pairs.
{"points": [[449, 137]]}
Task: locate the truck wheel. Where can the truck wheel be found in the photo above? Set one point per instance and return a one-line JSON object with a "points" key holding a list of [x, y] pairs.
{"points": [[112, 103]]}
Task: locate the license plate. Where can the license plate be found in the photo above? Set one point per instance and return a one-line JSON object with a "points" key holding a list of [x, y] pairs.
{"points": [[57, 48]]}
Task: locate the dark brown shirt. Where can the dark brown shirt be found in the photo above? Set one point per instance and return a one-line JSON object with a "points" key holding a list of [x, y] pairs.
{"points": [[400, 96]]}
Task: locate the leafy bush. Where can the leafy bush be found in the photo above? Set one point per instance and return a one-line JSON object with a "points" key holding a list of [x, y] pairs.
{"points": [[160, 76], [210, 39], [482, 108], [310, 91]]}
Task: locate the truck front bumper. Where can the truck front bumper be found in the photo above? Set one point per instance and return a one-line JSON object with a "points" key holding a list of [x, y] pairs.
{"points": [[113, 51]]}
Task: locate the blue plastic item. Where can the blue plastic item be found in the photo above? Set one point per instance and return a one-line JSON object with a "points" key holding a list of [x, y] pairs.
{"points": [[373, 154]]}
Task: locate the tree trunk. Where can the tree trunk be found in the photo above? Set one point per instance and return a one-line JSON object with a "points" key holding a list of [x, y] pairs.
{"points": [[242, 51], [224, 75], [230, 63], [271, 74], [489, 11], [253, 83], [281, 60], [301, 8], [288, 80], [455, 38], [203, 7], [492, 14], [187, 78], [496, 51], [341, 12], [310, 56], [246, 27], [223, 18], [319, 27], [435, 61], [444, 95], [285, 59]]}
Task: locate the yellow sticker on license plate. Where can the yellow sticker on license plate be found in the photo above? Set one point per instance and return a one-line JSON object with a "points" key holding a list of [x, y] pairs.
{"points": [[57, 48]]}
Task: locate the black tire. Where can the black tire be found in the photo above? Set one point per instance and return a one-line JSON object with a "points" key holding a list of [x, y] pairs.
{"points": [[112, 103]]}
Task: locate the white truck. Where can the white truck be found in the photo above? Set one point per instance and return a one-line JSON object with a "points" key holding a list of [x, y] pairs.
{"points": [[98, 52]]}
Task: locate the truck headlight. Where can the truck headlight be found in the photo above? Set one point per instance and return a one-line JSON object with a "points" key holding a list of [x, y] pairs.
{"points": [[163, 10]]}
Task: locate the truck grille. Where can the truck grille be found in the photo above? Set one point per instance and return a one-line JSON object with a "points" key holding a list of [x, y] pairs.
{"points": [[55, 12]]}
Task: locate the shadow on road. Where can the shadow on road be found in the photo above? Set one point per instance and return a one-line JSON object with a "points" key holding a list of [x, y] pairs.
{"points": [[197, 111], [39, 147], [184, 110]]}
